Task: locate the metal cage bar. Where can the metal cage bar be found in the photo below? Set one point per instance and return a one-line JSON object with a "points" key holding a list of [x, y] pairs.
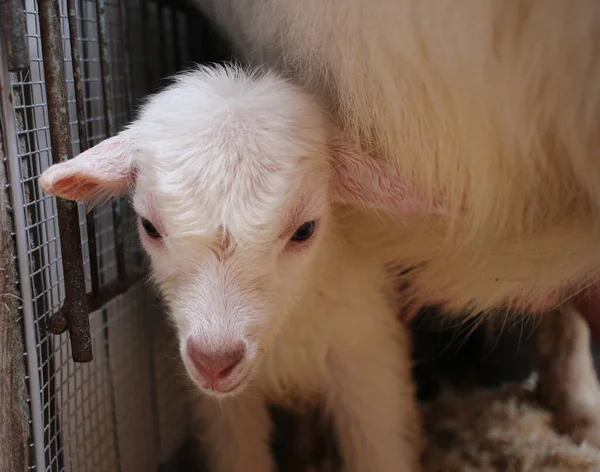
{"points": [[75, 310], [84, 143], [20, 225], [77, 303]]}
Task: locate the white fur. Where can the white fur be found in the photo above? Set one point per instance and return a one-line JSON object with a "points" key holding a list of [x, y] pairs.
{"points": [[491, 105], [226, 166]]}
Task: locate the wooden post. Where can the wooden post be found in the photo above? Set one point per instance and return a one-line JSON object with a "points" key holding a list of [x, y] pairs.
{"points": [[13, 407]]}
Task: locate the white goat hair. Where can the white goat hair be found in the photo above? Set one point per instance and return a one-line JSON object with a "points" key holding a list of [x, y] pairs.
{"points": [[490, 106], [230, 172]]}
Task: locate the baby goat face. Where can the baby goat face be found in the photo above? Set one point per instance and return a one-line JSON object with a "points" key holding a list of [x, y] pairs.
{"points": [[232, 176], [232, 212]]}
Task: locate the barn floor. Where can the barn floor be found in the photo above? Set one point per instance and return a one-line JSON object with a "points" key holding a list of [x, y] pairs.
{"points": [[484, 430], [491, 423], [500, 430]]}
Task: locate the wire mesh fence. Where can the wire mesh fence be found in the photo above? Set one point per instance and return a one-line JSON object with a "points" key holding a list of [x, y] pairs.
{"points": [[124, 411]]}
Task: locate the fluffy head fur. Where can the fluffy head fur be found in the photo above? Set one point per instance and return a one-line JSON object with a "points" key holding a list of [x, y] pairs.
{"points": [[492, 106]]}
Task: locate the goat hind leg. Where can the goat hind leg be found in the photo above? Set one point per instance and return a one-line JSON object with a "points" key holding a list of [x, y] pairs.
{"points": [[568, 384]]}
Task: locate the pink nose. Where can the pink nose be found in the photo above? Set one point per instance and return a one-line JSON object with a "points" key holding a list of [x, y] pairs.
{"points": [[215, 365]]}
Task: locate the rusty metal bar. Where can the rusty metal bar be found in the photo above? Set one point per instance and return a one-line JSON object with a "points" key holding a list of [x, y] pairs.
{"points": [[58, 325], [14, 28], [74, 312], [84, 143], [93, 251], [113, 290], [109, 120]]}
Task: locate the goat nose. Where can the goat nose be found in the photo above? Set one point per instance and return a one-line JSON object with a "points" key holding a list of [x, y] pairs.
{"points": [[215, 364]]}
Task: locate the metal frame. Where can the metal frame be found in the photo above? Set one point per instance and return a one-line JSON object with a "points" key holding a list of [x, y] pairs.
{"points": [[74, 312], [51, 431], [77, 305], [18, 215]]}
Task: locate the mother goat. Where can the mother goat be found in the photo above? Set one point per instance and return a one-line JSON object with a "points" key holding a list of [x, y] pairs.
{"points": [[491, 107]]}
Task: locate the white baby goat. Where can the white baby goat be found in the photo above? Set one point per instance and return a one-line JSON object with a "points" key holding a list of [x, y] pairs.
{"points": [[277, 287]]}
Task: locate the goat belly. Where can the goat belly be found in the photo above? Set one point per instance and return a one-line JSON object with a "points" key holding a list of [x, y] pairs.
{"points": [[588, 304]]}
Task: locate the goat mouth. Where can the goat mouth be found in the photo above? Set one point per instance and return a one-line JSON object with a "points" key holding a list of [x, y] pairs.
{"points": [[222, 388]]}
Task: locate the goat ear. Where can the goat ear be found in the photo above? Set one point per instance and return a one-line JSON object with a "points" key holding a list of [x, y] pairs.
{"points": [[364, 180], [104, 171]]}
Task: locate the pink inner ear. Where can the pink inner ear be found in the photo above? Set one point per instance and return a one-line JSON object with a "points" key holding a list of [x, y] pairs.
{"points": [[73, 187], [85, 188], [363, 180], [104, 171]]}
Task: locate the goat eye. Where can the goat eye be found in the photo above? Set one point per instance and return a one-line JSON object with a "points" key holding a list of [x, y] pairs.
{"points": [[304, 231], [150, 229]]}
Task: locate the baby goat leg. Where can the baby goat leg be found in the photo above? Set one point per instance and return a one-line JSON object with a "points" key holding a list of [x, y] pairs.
{"points": [[374, 412], [235, 434], [568, 384]]}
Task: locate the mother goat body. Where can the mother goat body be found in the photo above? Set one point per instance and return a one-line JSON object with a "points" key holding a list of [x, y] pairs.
{"points": [[491, 107]]}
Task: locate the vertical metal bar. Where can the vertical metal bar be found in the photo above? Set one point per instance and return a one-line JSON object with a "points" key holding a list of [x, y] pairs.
{"points": [[119, 240], [176, 39], [162, 40], [154, 378], [84, 143], [77, 75], [109, 120], [36, 237], [111, 386], [14, 170], [75, 307], [126, 56], [147, 65], [14, 429], [196, 32], [118, 215], [145, 17], [84, 8]]}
